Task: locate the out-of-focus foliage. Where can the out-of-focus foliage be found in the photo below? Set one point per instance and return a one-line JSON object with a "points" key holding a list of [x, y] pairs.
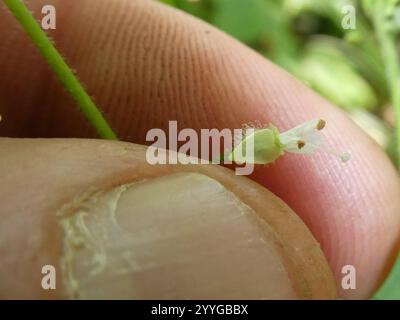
{"points": [[357, 69], [391, 288], [323, 59]]}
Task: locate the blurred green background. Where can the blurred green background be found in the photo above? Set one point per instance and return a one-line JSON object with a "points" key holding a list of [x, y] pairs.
{"points": [[357, 69]]}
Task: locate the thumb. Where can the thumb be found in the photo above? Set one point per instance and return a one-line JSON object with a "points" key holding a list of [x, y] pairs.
{"points": [[114, 226]]}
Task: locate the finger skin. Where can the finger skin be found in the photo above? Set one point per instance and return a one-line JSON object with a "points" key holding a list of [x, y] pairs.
{"points": [[42, 176], [146, 64]]}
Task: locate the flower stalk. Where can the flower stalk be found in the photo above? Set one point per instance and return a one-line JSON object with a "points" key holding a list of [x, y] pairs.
{"points": [[60, 68]]}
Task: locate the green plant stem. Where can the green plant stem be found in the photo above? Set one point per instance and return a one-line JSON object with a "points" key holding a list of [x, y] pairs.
{"points": [[391, 62], [60, 68]]}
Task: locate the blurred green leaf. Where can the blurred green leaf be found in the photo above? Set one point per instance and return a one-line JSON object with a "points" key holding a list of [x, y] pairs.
{"points": [[326, 70], [391, 288], [169, 2], [245, 20], [392, 151]]}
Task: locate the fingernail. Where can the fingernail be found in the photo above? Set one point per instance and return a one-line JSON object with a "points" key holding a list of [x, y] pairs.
{"points": [[180, 236]]}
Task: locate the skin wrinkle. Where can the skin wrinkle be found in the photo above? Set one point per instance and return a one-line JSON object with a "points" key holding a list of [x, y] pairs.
{"points": [[367, 215], [110, 74], [346, 235], [222, 90]]}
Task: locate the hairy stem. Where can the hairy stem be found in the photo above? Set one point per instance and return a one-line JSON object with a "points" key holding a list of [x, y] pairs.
{"points": [[60, 68]]}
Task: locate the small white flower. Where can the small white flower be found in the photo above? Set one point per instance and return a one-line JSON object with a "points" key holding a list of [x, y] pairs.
{"points": [[263, 146]]}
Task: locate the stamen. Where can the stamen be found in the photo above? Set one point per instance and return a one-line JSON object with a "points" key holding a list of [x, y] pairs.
{"points": [[300, 144], [321, 124]]}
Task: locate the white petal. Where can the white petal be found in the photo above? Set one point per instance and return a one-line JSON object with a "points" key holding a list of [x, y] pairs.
{"points": [[307, 133]]}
